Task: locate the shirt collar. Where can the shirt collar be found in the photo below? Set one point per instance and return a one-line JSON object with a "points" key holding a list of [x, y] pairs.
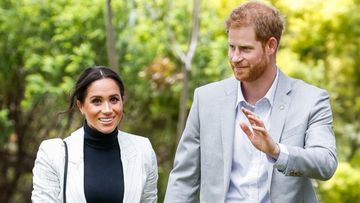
{"points": [[270, 94]]}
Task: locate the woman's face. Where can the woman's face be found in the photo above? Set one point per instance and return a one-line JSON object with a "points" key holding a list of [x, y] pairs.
{"points": [[103, 106]]}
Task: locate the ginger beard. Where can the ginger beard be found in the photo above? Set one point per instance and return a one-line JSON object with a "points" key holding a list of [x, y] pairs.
{"points": [[248, 72]]}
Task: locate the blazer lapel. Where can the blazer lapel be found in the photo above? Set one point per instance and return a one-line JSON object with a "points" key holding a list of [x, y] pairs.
{"points": [[279, 111], [228, 128], [131, 167], [75, 180]]}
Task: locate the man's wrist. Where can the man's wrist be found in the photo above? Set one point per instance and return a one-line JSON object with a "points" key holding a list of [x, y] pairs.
{"points": [[275, 152]]}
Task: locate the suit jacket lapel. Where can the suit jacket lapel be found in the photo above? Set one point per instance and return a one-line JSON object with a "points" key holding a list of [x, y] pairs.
{"points": [[131, 167], [279, 111], [228, 127], [280, 106]]}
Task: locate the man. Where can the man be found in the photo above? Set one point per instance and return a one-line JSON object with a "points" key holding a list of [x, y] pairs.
{"points": [[258, 137]]}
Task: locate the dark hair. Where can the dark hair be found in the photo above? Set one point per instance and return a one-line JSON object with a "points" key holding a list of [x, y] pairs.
{"points": [[267, 20], [88, 76]]}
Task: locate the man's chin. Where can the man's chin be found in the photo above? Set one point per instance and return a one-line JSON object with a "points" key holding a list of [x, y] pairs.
{"points": [[244, 78], [239, 76]]}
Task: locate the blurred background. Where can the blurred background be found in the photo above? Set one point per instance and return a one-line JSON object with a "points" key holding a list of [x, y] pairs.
{"points": [[162, 49]]}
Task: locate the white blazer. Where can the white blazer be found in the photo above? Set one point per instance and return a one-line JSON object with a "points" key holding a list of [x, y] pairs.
{"points": [[139, 168]]}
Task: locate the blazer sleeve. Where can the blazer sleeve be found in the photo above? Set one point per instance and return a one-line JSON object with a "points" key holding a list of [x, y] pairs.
{"points": [[46, 181], [149, 194], [317, 159], [184, 179]]}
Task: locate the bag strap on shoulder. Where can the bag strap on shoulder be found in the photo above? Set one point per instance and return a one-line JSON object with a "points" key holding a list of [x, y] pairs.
{"points": [[65, 171]]}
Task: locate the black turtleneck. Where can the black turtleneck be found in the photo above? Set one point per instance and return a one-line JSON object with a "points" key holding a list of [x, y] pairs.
{"points": [[103, 172]]}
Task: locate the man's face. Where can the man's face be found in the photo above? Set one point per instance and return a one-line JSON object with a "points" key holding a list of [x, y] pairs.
{"points": [[246, 55]]}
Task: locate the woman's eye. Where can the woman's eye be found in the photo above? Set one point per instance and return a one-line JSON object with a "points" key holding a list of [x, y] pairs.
{"points": [[114, 100], [96, 101]]}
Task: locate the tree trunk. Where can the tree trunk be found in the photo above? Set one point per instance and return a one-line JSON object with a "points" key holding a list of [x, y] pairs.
{"points": [[182, 105], [14, 162], [186, 59], [110, 39]]}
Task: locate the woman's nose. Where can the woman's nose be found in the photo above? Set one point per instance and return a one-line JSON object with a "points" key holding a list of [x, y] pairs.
{"points": [[106, 108]]}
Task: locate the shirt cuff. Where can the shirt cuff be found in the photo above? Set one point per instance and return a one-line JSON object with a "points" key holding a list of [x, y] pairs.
{"points": [[282, 160]]}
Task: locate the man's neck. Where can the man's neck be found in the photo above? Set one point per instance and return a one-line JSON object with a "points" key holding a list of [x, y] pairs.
{"points": [[255, 90]]}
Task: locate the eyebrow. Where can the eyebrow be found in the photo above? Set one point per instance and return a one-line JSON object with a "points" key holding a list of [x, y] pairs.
{"points": [[246, 46], [97, 96], [242, 45]]}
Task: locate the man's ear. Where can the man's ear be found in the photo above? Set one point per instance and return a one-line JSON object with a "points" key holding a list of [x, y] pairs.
{"points": [[79, 105], [271, 45]]}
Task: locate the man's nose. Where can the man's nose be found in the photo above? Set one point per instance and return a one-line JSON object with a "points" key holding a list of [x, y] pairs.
{"points": [[237, 56]]}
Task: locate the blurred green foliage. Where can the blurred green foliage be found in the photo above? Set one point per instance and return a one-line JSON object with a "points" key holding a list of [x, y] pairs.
{"points": [[45, 44], [343, 187]]}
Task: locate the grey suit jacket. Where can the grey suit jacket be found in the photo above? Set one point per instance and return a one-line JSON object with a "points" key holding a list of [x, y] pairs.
{"points": [[139, 168], [301, 119]]}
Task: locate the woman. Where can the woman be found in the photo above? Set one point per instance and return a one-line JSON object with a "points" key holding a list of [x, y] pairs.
{"points": [[104, 163]]}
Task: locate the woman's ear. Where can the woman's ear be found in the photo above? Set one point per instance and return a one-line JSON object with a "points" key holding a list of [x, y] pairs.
{"points": [[79, 105]]}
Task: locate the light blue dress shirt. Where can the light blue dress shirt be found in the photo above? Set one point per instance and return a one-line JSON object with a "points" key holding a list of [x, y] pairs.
{"points": [[249, 173]]}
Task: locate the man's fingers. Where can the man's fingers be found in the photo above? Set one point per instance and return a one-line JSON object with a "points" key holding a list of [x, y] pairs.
{"points": [[256, 120], [248, 115], [253, 118], [246, 129], [259, 130], [246, 112]]}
